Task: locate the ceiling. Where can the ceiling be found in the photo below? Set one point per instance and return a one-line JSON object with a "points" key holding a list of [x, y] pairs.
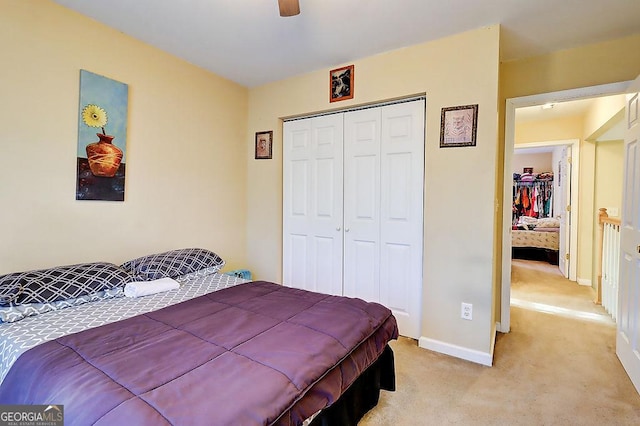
{"points": [[248, 42]]}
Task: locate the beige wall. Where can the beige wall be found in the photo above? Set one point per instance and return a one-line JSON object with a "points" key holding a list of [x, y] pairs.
{"points": [[459, 182], [608, 176], [186, 178], [608, 182], [539, 161]]}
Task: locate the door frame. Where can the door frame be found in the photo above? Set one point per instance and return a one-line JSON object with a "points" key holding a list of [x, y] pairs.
{"points": [[509, 142], [575, 182]]}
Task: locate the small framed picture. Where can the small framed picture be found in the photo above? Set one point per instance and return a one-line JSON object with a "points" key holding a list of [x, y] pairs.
{"points": [[341, 84], [458, 126], [527, 170], [264, 144]]}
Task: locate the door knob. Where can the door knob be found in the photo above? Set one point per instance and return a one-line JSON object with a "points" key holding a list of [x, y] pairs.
{"points": [[338, 228], [346, 229]]}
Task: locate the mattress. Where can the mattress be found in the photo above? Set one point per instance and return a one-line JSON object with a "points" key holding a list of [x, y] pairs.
{"points": [[535, 239]]}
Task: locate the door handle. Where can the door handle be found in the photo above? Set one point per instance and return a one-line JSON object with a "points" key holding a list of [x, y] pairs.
{"points": [[338, 228], [346, 229]]}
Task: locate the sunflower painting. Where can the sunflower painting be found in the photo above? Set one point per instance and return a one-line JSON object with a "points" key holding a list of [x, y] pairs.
{"points": [[102, 136]]}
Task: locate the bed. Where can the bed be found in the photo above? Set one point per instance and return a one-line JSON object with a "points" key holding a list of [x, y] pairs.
{"points": [[216, 349], [533, 235]]}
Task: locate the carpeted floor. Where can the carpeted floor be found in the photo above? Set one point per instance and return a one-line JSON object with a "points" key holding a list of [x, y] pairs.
{"points": [[549, 370]]}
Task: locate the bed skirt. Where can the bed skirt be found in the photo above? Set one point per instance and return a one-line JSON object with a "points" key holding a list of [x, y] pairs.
{"points": [[362, 395]]}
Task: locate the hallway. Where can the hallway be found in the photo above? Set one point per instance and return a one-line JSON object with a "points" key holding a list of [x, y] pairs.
{"points": [[539, 286]]}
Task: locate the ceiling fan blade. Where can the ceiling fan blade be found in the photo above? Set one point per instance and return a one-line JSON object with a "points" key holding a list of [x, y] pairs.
{"points": [[289, 7]]}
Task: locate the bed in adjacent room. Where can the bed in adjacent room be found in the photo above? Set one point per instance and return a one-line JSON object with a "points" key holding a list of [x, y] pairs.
{"points": [[531, 235], [210, 349]]}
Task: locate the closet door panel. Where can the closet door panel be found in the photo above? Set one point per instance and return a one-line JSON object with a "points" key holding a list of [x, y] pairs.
{"points": [[401, 213], [398, 259], [364, 192], [296, 271], [312, 204], [364, 254], [327, 205], [362, 204]]}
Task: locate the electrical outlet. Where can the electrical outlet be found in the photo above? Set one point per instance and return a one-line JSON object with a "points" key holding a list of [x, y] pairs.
{"points": [[466, 311]]}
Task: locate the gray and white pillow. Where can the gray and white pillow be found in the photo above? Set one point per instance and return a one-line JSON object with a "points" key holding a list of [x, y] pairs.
{"points": [[173, 264], [60, 283], [10, 285]]}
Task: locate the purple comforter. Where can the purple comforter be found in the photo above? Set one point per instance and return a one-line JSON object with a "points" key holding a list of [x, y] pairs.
{"points": [[257, 353]]}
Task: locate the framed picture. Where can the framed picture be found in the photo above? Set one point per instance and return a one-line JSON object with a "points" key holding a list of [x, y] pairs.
{"points": [[458, 126], [341, 84], [527, 170], [264, 144]]}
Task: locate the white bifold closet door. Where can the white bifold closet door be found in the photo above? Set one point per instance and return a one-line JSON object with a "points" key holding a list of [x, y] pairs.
{"points": [[370, 188], [312, 204]]}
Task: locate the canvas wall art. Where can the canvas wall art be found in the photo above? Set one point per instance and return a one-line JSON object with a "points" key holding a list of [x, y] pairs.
{"points": [[102, 137]]}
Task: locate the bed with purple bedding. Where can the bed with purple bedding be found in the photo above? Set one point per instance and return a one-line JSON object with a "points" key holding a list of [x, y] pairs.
{"points": [[254, 353]]}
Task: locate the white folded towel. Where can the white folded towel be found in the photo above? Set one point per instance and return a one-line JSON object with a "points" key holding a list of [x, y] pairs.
{"points": [[145, 288]]}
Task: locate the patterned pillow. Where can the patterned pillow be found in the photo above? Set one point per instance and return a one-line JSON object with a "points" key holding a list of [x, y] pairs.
{"points": [[62, 282], [10, 288], [173, 264]]}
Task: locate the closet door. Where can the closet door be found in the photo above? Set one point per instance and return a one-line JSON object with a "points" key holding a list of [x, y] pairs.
{"points": [[362, 204], [312, 204], [401, 213]]}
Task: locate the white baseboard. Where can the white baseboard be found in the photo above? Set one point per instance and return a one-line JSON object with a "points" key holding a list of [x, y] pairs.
{"points": [[467, 354], [584, 281]]}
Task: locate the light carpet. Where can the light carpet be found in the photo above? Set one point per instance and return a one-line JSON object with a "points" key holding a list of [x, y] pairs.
{"points": [[549, 370]]}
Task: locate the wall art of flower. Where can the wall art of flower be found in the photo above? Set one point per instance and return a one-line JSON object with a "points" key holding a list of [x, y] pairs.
{"points": [[102, 135]]}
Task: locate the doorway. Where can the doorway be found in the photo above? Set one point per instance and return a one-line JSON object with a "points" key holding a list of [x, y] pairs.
{"points": [[510, 125], [556, 163]]}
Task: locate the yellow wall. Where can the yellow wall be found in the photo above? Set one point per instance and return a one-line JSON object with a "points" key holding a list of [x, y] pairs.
{"points": [[564, 128], [608, 182], [608, 176], [186, 177], [459, 182]]}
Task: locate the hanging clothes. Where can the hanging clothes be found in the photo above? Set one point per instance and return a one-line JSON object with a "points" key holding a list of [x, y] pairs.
{"points": [[533, 197]]}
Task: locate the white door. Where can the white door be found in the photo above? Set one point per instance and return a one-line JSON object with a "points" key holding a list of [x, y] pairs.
{"points": [[312, 204], [383, 201], [401, 213], [564, 192], [628, 331], [362, 204], [353, 207]]}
